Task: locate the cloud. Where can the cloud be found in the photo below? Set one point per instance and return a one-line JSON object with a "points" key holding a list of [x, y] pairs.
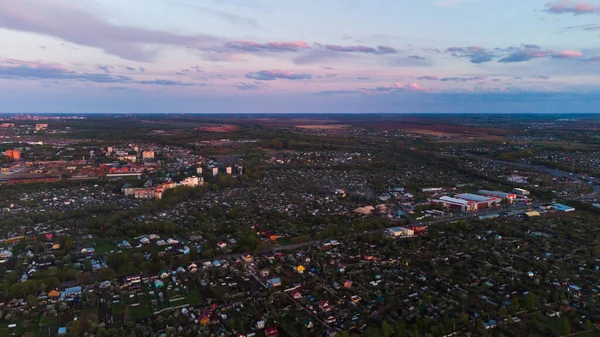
{"points": [[589, 27], [75, 25], [529, 54], [225, 16], [271, 75], [476, 54], [395, 88], [216, 56], [335, 92], [246, 86], [380, 50], [463, 79], [595, 59], [524, 55], [411, 61], [16, 69], [567, 54], [542, 77], [107, 68], [572, 7], [170, 83], [452, 79], [249, 46]]}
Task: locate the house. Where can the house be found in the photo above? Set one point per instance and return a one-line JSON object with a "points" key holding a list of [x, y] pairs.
{"points": [[347, 284], [300, 269], [264, 273], [104, 284], [62, 331], [158, 284], [272, 332], [308, 324], [123, 244], [90, 250], [490, 325], [56, 246], [260, 325], [274, 282], [221, 244], [71, 294], [247, 258], [204, 320], [49, 236], [296, 295], [144, 240], [53, 294], [324, 306]]}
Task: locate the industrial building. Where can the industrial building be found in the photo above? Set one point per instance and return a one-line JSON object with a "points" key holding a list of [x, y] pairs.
{"points": [[499, 194], [457, 204], [563, 208], [481, 201], [521, 192], [13, 154], [399, 231], [148, 154]]}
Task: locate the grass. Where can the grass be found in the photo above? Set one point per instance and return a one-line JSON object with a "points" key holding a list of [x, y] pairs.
{"points": [[104, 246], [194, 297], [140, 312]]}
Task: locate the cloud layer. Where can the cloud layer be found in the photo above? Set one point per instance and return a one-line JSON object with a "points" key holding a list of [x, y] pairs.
{"points": [[271, 75]]}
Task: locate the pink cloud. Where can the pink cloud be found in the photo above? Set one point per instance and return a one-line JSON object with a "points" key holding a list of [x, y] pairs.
{"points": [[567, 54], [572, 7]]}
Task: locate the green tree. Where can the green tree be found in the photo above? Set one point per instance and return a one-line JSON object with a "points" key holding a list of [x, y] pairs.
{"points": [[564, 326], [514, 304], [387, 330], [531, 301]]}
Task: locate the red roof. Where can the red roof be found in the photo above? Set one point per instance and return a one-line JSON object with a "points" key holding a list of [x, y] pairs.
{"points": [[271, 332]]}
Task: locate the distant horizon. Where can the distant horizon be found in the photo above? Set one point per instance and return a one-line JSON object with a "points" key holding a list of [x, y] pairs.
{"points": [[297, 113]]}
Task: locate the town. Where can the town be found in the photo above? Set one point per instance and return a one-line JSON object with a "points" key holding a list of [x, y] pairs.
{"points": [[269, 226]]}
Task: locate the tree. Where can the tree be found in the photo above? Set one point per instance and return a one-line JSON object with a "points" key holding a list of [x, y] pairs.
{"points": [[564, 326], [31, 300], [75, 328], [514, 304], [372, 332], [387, 330], [531, 301]]}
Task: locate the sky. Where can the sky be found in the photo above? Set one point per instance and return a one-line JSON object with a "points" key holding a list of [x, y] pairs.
{"points": [[290, 56]]}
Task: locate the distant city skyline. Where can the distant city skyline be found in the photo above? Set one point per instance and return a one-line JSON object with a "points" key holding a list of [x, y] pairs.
{"points": [[333, 56]]}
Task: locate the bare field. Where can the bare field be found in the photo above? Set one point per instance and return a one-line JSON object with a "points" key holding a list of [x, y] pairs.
{"points": [[217, 128], [323, 127]]}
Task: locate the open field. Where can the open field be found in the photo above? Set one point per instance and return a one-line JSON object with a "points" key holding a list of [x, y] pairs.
{"points": [[323, 127]]}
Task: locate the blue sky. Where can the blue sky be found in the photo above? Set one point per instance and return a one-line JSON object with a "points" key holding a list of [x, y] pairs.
{"points": [[299, 56]]}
